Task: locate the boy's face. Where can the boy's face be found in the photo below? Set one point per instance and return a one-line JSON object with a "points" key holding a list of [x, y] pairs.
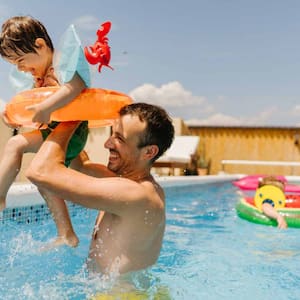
{"points": [[34, 63]]}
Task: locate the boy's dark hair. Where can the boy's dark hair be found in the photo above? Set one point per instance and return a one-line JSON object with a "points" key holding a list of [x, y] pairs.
{"points": [[159, 128], [19, 34]]}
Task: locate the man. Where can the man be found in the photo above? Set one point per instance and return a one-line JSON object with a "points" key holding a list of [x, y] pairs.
{"points": [[130, 226]]}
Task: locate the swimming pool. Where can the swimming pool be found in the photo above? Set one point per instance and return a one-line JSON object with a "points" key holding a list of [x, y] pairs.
{"points": [[208, 252]]}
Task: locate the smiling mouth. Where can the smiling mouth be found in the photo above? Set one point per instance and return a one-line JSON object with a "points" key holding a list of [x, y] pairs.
{"points": [[113, 156]]}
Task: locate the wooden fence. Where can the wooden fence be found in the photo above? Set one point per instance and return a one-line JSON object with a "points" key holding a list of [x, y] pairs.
{"points": [[267, 150]]}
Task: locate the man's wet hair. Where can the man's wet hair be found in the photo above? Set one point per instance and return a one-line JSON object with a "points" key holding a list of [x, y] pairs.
{"points": [[159, 127]]}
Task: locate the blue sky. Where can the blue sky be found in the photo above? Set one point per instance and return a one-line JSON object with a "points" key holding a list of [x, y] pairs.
{"points": [[222, 62]]}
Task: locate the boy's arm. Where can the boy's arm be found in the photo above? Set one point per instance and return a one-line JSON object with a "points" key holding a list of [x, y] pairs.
{"points": [[83, 164], [271, 212], [63, 96]]}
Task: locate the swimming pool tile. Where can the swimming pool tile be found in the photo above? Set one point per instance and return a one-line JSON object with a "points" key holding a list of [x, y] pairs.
{"points": [[31, 214]]}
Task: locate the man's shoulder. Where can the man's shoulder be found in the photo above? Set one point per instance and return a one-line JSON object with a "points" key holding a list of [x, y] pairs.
{"points": [[154, 191]]}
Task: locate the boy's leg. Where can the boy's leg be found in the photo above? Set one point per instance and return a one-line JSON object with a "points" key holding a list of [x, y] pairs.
{"points": [[10, 165], [11, 161], [61, 217], [57, 206]]}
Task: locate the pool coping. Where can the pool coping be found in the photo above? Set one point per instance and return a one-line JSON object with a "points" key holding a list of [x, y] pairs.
{"points": [[26, 194]]}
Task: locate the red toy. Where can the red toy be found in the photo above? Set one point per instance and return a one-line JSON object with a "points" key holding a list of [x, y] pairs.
{"points": [[100, 51]]}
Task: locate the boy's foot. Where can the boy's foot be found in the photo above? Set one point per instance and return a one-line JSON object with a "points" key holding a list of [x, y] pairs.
{"points": [[71, 241], [61, 241]]}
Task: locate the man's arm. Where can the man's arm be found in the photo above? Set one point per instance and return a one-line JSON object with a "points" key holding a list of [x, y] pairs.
{"points": [[47, 171]]}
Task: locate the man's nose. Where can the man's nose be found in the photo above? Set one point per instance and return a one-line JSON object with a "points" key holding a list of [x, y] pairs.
{"points": [[108, 144]]}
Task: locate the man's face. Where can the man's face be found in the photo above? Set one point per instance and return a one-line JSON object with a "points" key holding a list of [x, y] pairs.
{"points": [[125, 155]]}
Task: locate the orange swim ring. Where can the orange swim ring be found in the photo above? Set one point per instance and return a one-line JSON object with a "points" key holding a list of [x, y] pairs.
{"points": [[99, 106]]}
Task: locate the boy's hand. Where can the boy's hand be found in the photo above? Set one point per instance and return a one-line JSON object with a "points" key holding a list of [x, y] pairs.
{"points": [[281, 223], [9, 122], [39, 115]]}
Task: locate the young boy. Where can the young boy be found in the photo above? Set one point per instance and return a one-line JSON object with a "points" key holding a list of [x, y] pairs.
{"points": [[25, 43], [268, 205]]}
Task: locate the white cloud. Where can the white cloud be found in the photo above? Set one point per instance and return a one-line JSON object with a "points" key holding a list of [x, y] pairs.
{"points": [[196, 110], [171, 94], [220, 119], [262, 117]]}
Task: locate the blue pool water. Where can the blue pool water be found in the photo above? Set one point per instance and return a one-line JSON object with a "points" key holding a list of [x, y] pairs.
{"points": [[208, 253]]}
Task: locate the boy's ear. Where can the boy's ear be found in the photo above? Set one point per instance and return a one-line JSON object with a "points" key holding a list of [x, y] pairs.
{"points": [[39, 43]]}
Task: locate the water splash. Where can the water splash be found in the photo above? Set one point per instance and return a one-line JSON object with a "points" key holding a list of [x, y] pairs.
{"points": [[22, 244]]}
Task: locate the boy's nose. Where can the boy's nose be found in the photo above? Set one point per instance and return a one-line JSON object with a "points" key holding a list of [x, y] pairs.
{"points": [[21, 68]]}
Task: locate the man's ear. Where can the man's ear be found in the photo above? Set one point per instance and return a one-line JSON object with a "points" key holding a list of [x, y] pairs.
{"points": [[150, 151]]}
